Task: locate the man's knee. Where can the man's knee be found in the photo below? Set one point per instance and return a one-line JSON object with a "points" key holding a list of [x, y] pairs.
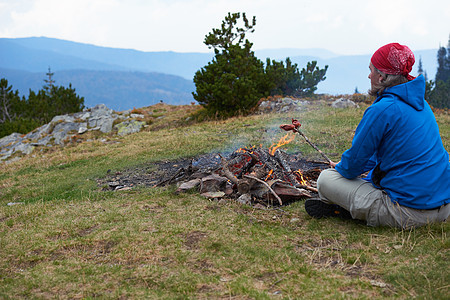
{"points": [[326, 176]]}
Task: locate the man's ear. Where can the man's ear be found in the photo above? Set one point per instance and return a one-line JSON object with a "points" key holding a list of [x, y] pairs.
{"points": [[380, 78]]}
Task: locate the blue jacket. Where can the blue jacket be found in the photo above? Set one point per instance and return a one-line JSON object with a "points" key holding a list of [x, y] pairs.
{"points": [[398, 140]]}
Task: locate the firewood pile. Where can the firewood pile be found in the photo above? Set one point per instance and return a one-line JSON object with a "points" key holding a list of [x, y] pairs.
{"points": [[254, 175]]}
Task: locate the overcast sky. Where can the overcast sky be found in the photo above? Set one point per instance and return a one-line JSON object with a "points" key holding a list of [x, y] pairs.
{"points": [[342, 26]]}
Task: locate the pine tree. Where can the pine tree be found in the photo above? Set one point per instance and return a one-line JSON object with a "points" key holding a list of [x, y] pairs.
{"points": [[282, 80], [13, 111], [24, 115], [443, 59], [49, 82], [309, 79], [234, 81], [65, 100], [420, 67], [288, 80], [5, 101], [443, 72], [439, 96]]}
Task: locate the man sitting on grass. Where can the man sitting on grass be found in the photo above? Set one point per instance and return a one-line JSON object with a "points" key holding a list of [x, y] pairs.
{"points": [[398, 141]]}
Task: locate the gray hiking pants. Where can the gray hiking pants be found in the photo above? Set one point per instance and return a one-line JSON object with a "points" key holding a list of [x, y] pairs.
{"points": [[365, 202]]}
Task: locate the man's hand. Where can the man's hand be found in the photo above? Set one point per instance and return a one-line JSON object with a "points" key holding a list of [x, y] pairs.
{"points": [[333, 164]]}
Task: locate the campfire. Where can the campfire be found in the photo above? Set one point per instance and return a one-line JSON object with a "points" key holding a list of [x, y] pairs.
{"points": [[250, 175], [256, 174]]}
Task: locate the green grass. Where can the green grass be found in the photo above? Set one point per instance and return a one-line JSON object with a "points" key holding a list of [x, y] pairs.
{"points": [[69, 239]]}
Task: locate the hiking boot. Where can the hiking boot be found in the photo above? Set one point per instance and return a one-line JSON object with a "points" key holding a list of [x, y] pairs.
{"points": [[318, 209]]}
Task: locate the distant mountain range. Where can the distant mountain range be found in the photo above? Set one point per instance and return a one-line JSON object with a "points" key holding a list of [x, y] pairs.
{"points": [[126, 78]]}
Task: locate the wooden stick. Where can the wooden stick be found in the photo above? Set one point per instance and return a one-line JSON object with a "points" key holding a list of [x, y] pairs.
{"points": [[307, 187], [312, 145], [268, 186], [226, 171]]}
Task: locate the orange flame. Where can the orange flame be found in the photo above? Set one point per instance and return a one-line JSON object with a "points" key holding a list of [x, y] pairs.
{"points": [[283, 141], [269, 175], [249, 149], [300, 177]]}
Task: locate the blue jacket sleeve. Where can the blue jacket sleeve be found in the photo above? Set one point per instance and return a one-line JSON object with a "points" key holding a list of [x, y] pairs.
{"points": [[361, 157]]}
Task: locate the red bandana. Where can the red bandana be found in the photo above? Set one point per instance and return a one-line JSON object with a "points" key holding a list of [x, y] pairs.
{"points": [[394, 59]]}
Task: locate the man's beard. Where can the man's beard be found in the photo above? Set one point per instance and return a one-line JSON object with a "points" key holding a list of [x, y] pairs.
{"points": [[374, 89]]}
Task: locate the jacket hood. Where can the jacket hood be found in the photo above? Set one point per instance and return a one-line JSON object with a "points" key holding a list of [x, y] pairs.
{"points": [[411, 92]]}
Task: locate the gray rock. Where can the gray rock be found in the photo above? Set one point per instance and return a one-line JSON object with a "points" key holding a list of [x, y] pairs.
{"points": [[343, 103], [62, 128], [285, 109], [5, 154], [83, 116], [83, 128], [264, 105], [63, 118], [62, 131], [102, 118], [13, 137], [287, 101], [126, 112], [245, 199], [128, 127], [103, 123], [106, 125], [113, 184], [283, 105], [24, 148], [45, 141], [40, 132], [101, 110], [137, 116], [213, 195]]}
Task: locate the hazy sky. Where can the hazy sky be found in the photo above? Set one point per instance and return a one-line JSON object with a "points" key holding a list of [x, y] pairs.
{"points": [[342, 26]]}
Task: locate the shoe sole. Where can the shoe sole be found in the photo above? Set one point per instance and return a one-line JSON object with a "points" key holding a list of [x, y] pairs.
{"points": [[319, 209]]}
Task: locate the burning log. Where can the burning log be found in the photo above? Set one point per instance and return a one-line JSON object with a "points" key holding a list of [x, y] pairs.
{"points": [[249, 165], [288, 191], [286, 167], [243, 185], [260, 166], [271, 164]]}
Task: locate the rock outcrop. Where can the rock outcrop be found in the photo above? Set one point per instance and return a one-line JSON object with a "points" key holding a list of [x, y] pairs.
{"points": [[63, 128], [282, 105], [343, 103]]}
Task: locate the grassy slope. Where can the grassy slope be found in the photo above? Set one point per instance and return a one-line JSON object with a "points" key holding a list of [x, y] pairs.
{"points": [[70, 240]]}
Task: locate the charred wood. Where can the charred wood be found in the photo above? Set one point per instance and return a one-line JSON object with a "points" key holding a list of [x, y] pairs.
{"points": [[282, 160], [265, 183]]}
